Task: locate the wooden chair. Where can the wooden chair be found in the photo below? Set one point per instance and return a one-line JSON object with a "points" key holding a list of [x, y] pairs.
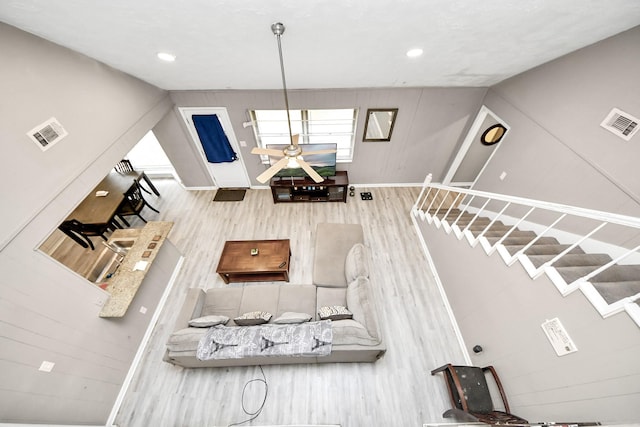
{"points": [[80, 232], [133, 203], [123, 166], [470, 396]]}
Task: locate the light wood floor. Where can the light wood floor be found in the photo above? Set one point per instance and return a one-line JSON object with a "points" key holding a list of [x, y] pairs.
{"points": [[397, 390]]}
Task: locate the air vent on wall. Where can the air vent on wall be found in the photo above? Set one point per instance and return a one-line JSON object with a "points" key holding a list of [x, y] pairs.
{"points": [[620, 123], [47, 134]]}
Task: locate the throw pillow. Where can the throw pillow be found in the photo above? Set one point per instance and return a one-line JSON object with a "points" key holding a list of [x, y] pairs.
{"points": [[334, 312], [292, 317], [355, 264], [253, 318], [207, 321]]}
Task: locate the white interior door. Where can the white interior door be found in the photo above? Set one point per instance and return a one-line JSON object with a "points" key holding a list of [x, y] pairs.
{"points": [[473, 156], [224, 175]]}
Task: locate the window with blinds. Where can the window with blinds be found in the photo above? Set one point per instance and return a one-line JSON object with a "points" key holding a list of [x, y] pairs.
{"points": [[335, 126]]}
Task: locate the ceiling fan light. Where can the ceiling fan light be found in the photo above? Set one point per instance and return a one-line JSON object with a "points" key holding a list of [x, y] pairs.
{"points": [[293, 162]]}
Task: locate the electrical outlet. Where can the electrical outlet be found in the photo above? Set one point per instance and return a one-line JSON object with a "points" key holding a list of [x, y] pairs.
{"points": [[143, 309], [503, 175], [46, 366], [243, 143]]}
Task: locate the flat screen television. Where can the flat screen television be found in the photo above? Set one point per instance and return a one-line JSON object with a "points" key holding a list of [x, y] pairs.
{"points": [[324, 164]]}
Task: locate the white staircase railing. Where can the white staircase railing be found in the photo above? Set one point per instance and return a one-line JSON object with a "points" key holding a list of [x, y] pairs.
{"points": [[436, 203]]}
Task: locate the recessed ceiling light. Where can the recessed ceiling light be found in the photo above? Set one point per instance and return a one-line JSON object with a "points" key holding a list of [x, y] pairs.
{"points": [[166, 56], [412, 53]]}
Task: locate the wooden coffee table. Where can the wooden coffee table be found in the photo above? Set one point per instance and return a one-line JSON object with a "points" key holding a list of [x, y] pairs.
{"points": [[271, 263]]}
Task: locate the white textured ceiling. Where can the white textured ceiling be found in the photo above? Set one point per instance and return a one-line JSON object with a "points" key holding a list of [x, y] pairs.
{"points": [[228, 44]]}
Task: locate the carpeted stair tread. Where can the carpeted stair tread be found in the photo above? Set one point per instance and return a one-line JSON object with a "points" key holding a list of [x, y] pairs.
{"points": [[573, 273], [543, 249], [451, 215], [479, 222], [618, 273], [500, 232], [453, 211], [569, 260], [615, 291], [615, 273], [477, 229], [514, 233], [523, 241]]}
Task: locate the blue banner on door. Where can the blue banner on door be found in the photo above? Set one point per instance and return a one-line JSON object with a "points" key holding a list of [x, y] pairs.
{"points": [[214, 141]]}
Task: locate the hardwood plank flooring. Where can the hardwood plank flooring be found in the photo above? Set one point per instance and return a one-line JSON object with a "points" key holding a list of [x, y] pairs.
{"points": [[397, 390]]}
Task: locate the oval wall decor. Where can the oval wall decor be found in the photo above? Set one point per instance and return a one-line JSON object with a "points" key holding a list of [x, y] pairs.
{"points": [[493, 134]]}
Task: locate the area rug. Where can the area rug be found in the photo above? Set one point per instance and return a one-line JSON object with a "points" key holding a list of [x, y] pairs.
{"points": [[229, 195]]}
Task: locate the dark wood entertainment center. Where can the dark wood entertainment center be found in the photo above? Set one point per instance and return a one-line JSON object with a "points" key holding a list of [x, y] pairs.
{"points": [[332, 189]]}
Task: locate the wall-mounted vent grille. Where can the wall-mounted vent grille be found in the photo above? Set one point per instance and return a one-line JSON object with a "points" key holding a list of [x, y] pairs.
{"points": [[620, 123], [47, 134]]}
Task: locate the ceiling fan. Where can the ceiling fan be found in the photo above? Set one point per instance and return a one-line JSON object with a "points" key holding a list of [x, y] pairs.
{"points": [[292, 154]]}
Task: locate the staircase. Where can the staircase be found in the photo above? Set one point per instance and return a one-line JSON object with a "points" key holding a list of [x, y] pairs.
{"points": [[608, 279]]}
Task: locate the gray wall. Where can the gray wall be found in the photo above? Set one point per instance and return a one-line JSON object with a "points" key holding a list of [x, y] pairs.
{"points": [[556, 149], [501, 309], [179, 148], [429, 127], [48, 312]]}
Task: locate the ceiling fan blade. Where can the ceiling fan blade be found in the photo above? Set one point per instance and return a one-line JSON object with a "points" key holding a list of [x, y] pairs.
{"points": [[267, 151], [266, 175], [319, 152], [309, 170]]}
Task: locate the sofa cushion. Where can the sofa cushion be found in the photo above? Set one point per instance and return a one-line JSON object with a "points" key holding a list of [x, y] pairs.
{"points": [[291, 317], [334, 312], [186, 339], [260, 298], [222, 302], [355, 264], [253, 318], [330, 296], [208, 321], [333, 242], [296, 298], [349, 331], [360, 302]]}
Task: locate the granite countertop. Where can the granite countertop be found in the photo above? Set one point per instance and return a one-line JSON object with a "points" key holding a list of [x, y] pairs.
{"points": [[124, 284]]}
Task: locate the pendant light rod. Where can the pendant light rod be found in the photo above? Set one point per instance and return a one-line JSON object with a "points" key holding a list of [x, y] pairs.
{"points": [[278, 29]]}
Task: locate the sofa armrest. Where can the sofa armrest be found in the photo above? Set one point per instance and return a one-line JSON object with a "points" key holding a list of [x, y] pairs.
{"points": [[191, 308]]}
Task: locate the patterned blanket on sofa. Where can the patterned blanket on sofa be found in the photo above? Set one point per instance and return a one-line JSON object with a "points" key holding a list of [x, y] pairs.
{"points": [[236, 342]]}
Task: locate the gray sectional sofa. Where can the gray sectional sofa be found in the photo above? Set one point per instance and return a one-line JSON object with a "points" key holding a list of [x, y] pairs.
{"points": [[340, 278]]}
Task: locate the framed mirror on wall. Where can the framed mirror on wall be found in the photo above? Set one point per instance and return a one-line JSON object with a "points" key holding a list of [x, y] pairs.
{"points": [[379, 123]]}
